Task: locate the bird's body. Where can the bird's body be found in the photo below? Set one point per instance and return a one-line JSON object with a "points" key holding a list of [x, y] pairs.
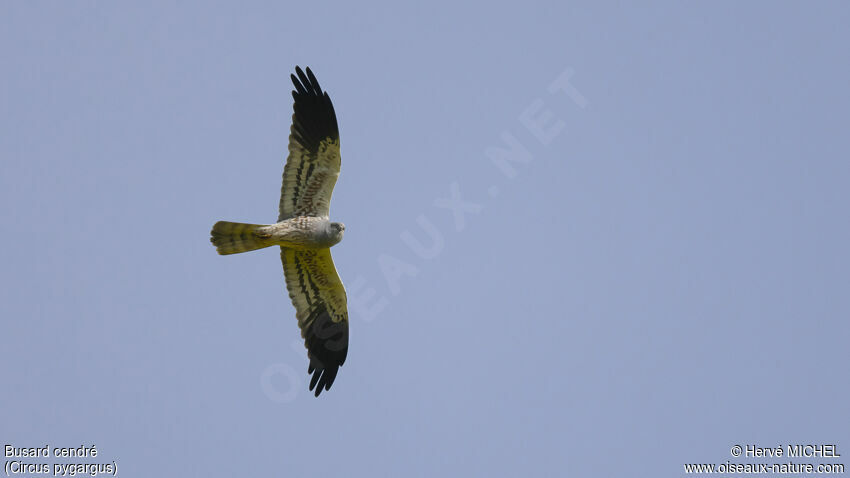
{"points": [[300, 233], [304, 231]]}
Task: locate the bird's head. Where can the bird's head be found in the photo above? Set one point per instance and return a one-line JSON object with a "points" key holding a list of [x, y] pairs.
{"points": [[336, 230]]}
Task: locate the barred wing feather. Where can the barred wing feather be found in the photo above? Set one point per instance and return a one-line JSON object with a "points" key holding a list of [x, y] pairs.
{"points": [[313, 164], [321, 309]]}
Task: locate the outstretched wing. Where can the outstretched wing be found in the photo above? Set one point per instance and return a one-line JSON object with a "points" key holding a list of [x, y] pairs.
{"points": [[320, 307], [313, 163]]}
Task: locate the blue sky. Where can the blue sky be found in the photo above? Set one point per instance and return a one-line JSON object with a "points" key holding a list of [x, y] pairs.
{"points": [[663, 277]]}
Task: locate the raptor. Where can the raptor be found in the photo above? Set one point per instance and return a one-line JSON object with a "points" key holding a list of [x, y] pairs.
{"points": [[305, 232]]}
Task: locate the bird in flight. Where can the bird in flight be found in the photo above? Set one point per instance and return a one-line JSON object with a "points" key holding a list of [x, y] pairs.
{"points": [[304, 231]]}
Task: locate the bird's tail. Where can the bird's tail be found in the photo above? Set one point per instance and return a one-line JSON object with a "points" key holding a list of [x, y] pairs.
{"points": [[236, 237]]}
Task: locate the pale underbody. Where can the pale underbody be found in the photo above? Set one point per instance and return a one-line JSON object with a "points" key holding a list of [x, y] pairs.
{"points": [[303, 232]]}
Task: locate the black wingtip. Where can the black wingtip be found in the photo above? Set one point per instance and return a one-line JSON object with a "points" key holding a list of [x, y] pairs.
{"points": [[327, 348], [299, 88], [312, 78], [323, 378], [314, 117], [306, 83]]}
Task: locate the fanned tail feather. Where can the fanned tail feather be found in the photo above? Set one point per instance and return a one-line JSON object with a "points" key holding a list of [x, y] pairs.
{"points": [[236, 237]]}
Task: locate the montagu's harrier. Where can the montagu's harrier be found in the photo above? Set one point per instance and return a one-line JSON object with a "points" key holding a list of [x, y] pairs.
{"points": [[304, 231]]}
